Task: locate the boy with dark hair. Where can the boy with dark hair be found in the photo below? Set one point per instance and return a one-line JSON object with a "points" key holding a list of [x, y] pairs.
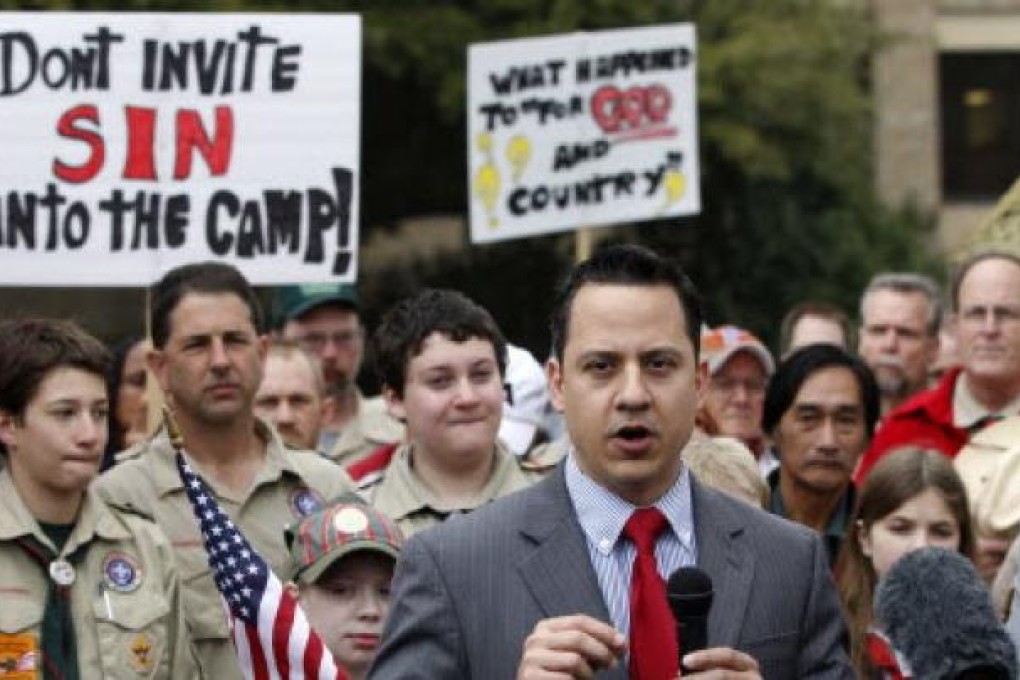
{"points": [[87, 591], [441, 359]]}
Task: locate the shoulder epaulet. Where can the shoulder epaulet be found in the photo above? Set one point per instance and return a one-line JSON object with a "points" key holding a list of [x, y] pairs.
{"points": [[128, 508]]}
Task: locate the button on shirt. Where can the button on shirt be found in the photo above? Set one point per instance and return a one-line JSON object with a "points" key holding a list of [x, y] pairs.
{"points": [[602, 516]]}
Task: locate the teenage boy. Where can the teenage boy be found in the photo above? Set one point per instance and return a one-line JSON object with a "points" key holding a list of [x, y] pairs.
{"points": [[87, 591], [441, 360]]}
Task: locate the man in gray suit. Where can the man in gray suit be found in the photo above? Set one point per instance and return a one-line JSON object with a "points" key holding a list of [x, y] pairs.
{"points": [[538, 583]]}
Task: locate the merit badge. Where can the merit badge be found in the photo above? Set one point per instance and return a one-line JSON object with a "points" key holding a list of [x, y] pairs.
{"points": [[350, 521], [304, 502], [61, 572], [141, 658], [121, 573]]}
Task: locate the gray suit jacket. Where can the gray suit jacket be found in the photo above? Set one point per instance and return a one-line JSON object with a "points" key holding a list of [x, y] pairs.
{"points": [[468, 592]]}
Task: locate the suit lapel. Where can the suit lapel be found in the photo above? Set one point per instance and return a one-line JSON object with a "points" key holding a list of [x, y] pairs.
{"points": [[558, 570], [723, 554]]}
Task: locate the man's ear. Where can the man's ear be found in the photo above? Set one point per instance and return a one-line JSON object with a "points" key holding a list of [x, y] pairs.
{"points": [[554, 375], [701, 380], [394, 404], [155, 359], [8, 425]]}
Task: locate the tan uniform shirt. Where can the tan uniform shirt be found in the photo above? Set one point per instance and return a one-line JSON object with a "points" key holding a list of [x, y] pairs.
{"points": [[125, 600], [290, 485], [401, 494], [371, 428]]}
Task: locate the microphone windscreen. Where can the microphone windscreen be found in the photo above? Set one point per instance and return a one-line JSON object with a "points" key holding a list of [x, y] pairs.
{"points": [[938, 614], [692, 589]]}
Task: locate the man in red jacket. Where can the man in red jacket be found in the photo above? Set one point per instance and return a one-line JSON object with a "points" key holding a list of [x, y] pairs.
{"points": [[986, 300]]}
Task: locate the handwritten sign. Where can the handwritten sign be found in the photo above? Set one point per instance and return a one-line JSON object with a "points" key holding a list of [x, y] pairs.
{"points": [[579, 130], [133, 143]]}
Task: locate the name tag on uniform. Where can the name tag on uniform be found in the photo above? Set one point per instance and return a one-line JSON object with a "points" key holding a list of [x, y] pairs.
{"points": [[18, 656]]}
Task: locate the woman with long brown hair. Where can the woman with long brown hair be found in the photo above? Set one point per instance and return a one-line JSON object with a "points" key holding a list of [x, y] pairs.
{"points": [[912, 498]]}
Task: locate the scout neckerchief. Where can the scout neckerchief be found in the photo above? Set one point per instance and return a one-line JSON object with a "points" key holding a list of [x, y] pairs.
{"points": [[58, 649]]}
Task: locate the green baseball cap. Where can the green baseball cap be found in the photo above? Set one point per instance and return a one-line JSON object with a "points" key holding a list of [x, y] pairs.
{"points": [[291, 302], [337, 530]]}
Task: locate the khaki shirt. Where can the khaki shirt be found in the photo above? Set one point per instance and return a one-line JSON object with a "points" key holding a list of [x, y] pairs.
{"points": [[371, 428], [290, 485], [125, 599], [400, 493]]}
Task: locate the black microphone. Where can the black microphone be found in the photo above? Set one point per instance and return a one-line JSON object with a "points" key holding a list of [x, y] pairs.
{"points": [[690, 597], [938, 614]]}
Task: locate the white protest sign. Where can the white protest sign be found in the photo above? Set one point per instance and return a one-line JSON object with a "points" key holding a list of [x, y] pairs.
{"points": [[133, 143], [580, 130]]}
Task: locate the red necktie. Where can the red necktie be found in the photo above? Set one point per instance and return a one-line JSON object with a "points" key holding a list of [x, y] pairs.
{"points": [[653, 643]]}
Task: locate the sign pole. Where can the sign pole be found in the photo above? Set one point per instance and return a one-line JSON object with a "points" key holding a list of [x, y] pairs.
{"points": [[583, 242]]}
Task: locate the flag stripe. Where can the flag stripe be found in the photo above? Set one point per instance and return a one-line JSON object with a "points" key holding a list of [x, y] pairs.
{"points": [[271, 635]]}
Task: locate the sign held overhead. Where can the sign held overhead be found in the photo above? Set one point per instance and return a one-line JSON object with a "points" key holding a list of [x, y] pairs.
{"points": [[581, 130]]}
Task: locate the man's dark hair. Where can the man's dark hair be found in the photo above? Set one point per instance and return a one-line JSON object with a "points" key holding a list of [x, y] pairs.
{"points": [[32, 348], [964, 268], [405, 327], [794, 371], [822, 310], [201, 277], [626, 265]]}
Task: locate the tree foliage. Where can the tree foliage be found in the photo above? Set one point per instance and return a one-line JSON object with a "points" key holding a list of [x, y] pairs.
{"points": [[789, 210]]}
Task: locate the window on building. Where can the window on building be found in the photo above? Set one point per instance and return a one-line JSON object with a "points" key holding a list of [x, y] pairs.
{"points": [[980, 108]]}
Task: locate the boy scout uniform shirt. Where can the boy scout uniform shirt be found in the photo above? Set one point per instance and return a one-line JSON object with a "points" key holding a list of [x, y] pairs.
{"points": [[371, 428], [290, 485], [400, 493], [126, 601]]}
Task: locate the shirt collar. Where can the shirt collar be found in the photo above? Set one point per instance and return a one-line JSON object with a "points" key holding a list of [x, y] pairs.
{"points": [[602, 514], [167, 477], [412, 496], [94, 518], [968, 411]]}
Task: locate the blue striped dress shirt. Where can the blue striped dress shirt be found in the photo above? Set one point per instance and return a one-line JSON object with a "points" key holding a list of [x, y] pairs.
{"points": [[602, 516]]}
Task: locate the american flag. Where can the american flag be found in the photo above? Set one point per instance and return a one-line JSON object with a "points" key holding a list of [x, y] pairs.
{"points": [[270, 632]]}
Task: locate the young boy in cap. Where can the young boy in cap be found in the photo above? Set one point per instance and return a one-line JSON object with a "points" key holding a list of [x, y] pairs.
{"points": [[344, 556]]}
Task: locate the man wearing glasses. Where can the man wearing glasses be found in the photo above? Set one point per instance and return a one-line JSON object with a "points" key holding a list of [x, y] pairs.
{"points": [[325, 320], [738, 367]]}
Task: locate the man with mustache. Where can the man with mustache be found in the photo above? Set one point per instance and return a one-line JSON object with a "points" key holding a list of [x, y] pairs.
{"points": [[899, 336], [820, 409], [565, 578], [208, 349]]}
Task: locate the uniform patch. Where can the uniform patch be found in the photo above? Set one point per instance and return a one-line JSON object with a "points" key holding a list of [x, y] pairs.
{"points": [[304, 502], [18, 656], [141, 657], [350, 521], [121, 572]]}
